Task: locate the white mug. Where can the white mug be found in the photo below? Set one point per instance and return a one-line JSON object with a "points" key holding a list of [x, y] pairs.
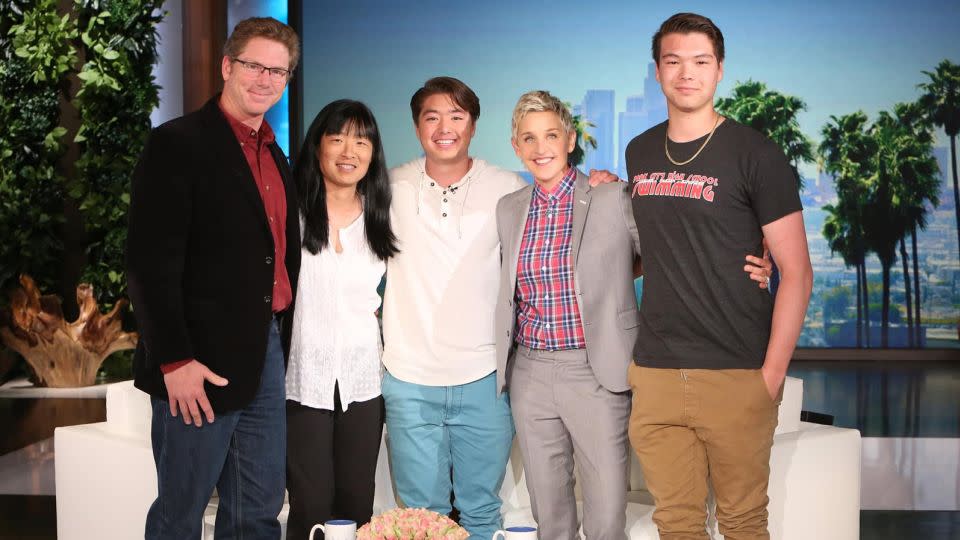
{"points": [[337, 529], [517, 533]]}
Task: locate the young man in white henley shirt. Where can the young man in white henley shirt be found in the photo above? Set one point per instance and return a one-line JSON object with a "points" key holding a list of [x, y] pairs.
{"points": [[448, 428]]}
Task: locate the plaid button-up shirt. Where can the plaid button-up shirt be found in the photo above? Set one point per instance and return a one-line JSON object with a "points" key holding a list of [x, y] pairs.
{"points": [[548, 316]]}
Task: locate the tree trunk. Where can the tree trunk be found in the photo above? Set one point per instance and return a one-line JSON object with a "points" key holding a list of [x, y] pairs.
{"points": [[62, 354], [918, 323], [956, 186], [906, 290], [866, 300], [859, 310], [885, 305], [885, 400], [73, 229]]}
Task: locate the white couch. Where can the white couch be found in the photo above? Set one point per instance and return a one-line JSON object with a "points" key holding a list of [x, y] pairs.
{"points": [[106, 478], [814, 482]]}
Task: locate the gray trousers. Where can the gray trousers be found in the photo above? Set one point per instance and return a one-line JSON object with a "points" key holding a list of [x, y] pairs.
{"points": [[561, 412]]}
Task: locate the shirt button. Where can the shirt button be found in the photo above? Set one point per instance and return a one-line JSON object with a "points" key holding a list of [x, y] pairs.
{"points": [[543, 268], [546, 297], [267, 188], [271, 219], [268, 260], [432, 184], [444, 192], [444, 200], [546, 325], [444, 214], [267, 299]]}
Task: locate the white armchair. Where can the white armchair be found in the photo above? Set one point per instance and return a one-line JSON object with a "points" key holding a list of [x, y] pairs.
{"points": [[105, 475]]}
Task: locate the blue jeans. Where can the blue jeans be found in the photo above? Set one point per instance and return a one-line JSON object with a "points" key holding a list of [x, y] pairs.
{"points": [[242, 454], [465, 428]]}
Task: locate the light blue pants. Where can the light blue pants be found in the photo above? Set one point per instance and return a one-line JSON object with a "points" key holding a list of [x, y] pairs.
{"points": [[433, 430]]}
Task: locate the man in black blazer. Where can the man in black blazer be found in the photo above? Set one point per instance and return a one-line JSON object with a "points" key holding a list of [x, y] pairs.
{"points": [[213, 252]]}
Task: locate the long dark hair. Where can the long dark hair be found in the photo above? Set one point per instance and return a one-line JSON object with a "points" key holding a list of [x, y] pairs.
{"points": [[337, 117]]}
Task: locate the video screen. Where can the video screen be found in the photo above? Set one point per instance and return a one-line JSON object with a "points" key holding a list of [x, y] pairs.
{"points": [[804, 70]]}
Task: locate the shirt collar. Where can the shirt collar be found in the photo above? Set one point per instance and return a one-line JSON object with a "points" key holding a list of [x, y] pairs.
{"points": [[245, 133], [563, 189]]}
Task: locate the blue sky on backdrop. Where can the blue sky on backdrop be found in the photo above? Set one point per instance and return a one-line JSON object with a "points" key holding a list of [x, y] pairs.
{"points": [[839, 56]]}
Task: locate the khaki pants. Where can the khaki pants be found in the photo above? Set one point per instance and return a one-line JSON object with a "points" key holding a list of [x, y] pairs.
{"points": [[688, 425]]}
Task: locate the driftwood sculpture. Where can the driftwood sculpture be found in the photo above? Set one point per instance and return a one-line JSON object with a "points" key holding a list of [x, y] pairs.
{"points": [[62, 354]]}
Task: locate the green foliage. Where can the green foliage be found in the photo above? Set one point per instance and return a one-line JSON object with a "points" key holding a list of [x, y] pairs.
{"points": [[833, 331], [941, 97], [886, 179], [895, 313], [940, 103], [35, 52], [117, 93], [775, 115], [43, 40], [116, 367], [584, 138], [845, 153], [836, 303]]}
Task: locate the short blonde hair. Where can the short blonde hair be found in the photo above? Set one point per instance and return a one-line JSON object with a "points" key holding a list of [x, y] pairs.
{"points": [[267, 28], [540, 101]]}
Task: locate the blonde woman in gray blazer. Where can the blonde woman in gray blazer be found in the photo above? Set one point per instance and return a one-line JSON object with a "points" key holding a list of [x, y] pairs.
{"points": [[566, 323]]}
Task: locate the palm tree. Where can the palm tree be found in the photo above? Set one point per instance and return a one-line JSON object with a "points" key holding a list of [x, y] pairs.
{"points": [[584, 138], [846, 152], [903, 181], [841, 238], [918, 191], [884, 222], [941, 102], [775, 115]]}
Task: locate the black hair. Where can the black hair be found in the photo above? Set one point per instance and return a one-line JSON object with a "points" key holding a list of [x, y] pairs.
{"points": [[689, 23], [341, 116], [461, 94]]}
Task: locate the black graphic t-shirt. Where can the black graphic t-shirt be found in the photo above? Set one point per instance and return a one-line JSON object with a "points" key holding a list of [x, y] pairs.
{"points": [[699, 309]]}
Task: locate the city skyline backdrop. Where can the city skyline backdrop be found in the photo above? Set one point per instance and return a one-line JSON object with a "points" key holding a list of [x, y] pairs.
{"points": [[837, 57]]}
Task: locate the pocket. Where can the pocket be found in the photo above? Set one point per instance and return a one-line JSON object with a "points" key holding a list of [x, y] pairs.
{"points": [[763, 387], [634, 376], [385, 384], [629, 318]]}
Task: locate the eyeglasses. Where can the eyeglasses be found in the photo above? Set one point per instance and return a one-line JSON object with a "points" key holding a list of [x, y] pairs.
{"points": [[254, 69]]}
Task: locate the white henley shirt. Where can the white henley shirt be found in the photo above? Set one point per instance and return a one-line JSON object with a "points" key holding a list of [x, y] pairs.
{"points": [[438, 309]]}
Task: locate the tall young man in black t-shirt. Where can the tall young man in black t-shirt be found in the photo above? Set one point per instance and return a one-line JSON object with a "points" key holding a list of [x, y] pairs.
{"points": [[712, 350]]}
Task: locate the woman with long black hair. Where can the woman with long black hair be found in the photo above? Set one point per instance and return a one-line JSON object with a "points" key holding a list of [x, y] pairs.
{"points": [[334, 406]]}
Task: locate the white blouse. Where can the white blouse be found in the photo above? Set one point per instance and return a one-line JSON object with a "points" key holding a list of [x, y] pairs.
{"points": [[336, 336]]}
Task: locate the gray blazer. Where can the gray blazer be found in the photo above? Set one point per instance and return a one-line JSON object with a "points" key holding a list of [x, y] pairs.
{"points": [[605, 242]]}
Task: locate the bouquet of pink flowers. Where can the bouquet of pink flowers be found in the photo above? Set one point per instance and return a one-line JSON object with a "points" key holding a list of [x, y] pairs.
{"points": [[411, 524]]}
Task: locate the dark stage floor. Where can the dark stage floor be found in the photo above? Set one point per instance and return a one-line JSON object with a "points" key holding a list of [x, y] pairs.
{"points": [[881, 399]]}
